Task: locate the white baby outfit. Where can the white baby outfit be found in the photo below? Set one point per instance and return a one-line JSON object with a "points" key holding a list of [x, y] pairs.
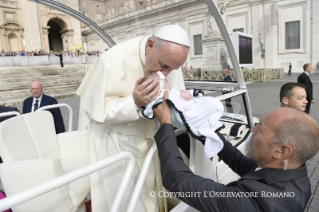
{"points": [[199, 116]]}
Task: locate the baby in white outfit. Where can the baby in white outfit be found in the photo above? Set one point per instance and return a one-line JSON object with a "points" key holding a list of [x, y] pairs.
{"points": [[197, 114]]}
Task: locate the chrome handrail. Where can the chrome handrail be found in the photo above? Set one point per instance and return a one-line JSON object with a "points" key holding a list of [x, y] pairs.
{"points": [[60, 105], [43, 188]]}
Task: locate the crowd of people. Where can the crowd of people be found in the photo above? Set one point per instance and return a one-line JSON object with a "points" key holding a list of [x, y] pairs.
{"points": [[51, 53], [113, 94]]}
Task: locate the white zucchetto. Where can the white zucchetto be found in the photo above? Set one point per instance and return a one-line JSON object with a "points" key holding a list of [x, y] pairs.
{"points": [[173, 33]]}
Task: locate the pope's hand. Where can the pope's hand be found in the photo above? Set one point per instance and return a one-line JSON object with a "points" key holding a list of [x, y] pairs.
{"points": [[145, 92], [163, 112]]}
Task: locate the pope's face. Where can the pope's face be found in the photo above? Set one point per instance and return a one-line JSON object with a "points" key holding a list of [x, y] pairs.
{"points": [[164, 56]]}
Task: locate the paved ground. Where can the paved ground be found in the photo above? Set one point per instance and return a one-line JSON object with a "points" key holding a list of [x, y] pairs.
{"points": [[264, 96]]}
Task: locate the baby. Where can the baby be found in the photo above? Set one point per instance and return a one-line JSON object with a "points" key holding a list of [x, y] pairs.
{"points": [[191, 111]]}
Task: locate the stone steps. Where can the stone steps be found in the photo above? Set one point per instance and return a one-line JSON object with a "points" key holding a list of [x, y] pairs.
{"points": [[57, 82], [49, 82]]}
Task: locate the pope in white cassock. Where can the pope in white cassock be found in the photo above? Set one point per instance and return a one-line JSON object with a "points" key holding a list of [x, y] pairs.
{"points": [[112, 94]]}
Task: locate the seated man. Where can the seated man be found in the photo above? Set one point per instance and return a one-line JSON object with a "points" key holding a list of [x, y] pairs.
{"points": [[293, 95], [273, 179], [39, 99]]}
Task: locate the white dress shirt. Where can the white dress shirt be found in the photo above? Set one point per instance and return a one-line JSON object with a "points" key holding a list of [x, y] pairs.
{"points": [[33, 103]]}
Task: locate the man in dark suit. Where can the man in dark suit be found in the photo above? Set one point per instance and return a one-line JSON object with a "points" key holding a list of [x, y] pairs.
{"points": [[61, 58], [227, 77], [289, 71], [274, 178], [39, 99], [305, 79], [7, 109]]}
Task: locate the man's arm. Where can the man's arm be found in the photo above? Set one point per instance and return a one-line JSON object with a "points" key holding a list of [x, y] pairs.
{"points": [[303, 79], [308, 85], [201, 193], [57, 116], [238, 162], [24, 107], [177, 177]]}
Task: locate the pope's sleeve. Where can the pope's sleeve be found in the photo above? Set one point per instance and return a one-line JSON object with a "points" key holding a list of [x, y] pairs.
{"points": [[108, 86]]}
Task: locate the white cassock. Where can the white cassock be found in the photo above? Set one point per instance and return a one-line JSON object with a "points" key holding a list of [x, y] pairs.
{"points": [[115, 125]]}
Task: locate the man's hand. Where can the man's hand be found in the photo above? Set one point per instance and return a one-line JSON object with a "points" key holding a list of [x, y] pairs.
{"points": [[143, 90], [163, 112], [312, 101]]}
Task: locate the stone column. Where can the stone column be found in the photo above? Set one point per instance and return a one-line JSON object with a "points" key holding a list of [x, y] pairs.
{"points": [[6, 42], [45, 37], [33, 24], [1, 38]]}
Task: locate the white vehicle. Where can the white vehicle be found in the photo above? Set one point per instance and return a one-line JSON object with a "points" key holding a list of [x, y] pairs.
{"points": [[237, 124]]}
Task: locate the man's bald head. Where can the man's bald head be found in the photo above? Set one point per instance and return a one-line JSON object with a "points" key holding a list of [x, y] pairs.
{"points": [[284, 134], [36, 89], [297, 129]]}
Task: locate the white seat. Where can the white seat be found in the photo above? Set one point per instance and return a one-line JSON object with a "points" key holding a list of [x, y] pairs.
{"points": [[33, 154]]}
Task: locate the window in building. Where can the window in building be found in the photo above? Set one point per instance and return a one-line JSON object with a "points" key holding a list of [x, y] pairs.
{"points": [[97, 6], [293, 35], [238, 30], [198, 48]]}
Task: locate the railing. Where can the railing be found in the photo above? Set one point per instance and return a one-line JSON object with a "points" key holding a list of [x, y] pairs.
{"points": [[12, 113], [36, 191], [8, 61], [60, 105], [146, 165], [259, 75]]}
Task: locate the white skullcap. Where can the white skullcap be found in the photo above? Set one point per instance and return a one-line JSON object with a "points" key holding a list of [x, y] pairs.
{"points": [[173, 33]]}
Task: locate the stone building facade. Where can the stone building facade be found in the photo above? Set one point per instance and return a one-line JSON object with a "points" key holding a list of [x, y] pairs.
{"points": [[28, 26], [284, 32]]}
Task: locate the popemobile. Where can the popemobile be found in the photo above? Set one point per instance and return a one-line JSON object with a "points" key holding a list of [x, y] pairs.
{"points": [[51, 172]]}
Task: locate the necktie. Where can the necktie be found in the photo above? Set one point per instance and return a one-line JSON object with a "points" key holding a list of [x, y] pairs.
{"points": [[36, 105]]}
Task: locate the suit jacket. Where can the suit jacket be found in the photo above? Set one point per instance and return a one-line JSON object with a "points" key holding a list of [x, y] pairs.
{"points": [[46, 100], [60, 56], [269, 184], [228, 78], [7, 109], [305, 79]]}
